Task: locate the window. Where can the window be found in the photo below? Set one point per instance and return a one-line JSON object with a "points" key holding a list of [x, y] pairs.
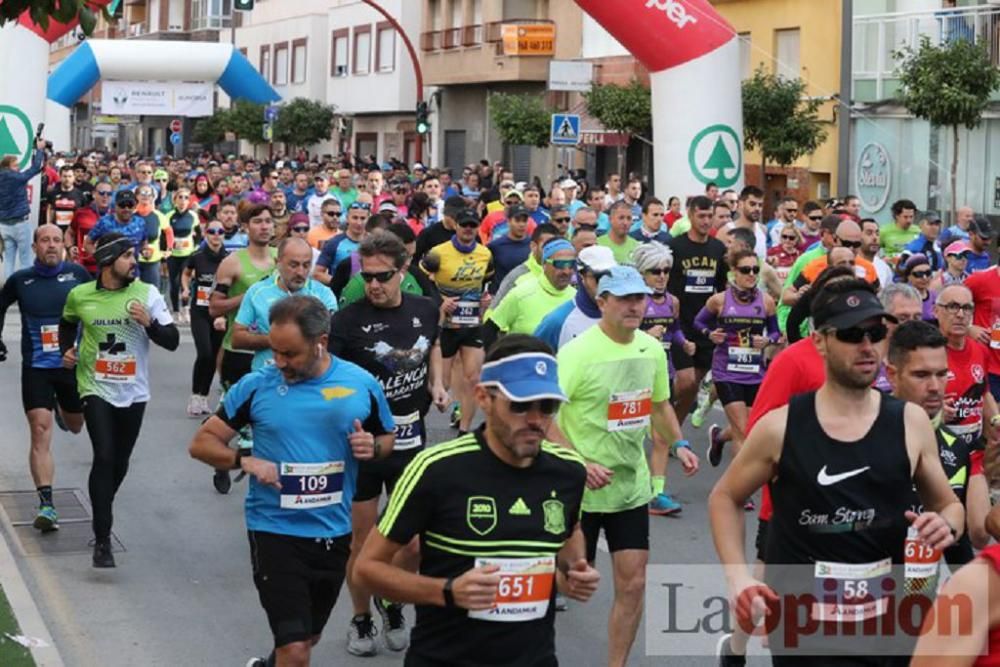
{"points": [[210, 14], [299, 60], [385, 48], [457, 19], [436, 12], [746, 47], [786, 49], [362, 49], [265, 63], [281, 64], [338, 56]]}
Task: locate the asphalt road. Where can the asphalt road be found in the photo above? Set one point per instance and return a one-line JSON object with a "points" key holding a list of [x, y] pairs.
{"points": [[182, 593]]}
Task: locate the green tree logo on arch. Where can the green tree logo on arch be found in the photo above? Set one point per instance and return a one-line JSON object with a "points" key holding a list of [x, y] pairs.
{"points": [[716, 156], [15, 134]]}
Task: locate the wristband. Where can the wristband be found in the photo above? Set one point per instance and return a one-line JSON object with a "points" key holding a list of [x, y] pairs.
{"points": [[240, 453], [705, 332], [680, 443], [449, 599]]}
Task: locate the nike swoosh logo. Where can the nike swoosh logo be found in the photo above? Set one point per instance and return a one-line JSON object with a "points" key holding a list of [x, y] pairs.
{"points": [[829, 480]]}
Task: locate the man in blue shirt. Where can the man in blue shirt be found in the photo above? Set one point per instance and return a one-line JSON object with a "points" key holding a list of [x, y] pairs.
{"points": [[980, 235], [124, 221], [291, 276], [652, 227], [926, 243], [514, 247], [314, 417], [15, 227]]}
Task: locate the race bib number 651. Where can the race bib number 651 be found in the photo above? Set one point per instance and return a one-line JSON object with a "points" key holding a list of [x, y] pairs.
{"points": [[524, 591]]}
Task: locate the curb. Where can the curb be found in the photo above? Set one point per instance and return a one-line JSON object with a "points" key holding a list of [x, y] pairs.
{"points": [[23, 605]]}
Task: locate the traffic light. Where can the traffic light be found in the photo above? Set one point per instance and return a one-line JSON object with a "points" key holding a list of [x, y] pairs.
{"points": [[423, 124], [242, 5]]}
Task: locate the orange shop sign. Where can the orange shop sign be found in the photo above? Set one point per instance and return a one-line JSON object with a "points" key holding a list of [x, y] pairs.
{"points": [[529, 39]]}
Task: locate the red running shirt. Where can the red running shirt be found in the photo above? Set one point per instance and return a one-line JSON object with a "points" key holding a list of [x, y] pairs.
{"points": [[991, 555], [967, 384], [985, 287]]}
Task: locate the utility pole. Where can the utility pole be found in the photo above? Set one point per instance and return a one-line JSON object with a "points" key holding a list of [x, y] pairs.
{"points": [[419, 147]]}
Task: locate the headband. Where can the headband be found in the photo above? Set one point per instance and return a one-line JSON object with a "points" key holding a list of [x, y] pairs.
{"points": [[109, 252], [554, 246]]}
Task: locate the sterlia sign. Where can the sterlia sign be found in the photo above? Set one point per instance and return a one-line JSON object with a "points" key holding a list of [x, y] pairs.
{"points": [[156, 98]]}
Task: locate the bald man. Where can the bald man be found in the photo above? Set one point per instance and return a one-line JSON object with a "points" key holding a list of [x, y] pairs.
{"points": [[291, 276]]}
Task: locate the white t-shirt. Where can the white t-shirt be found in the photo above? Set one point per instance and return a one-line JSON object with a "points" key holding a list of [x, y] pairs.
{"points": [[314, 207], [760, 247]]}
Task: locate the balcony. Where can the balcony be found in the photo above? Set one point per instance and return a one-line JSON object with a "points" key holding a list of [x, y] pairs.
{"points": [[876, 36], [476, 54]]}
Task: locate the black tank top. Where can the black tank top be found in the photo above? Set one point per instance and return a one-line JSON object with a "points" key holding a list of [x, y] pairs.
{"points": [[838, 531]]}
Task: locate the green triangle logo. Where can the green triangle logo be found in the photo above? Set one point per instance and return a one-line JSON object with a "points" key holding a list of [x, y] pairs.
{"points": [[7, 144]]}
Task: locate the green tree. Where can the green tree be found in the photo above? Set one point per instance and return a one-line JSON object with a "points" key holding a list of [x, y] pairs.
{"points": [[63, 11], [212, 129], [246, 119], [948, 85], [627, 109], [520, 120], [779, 119], [303, 122]]}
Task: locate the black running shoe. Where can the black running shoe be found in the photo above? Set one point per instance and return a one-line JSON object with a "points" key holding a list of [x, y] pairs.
{"points": [[103, 558], [221, 481]]}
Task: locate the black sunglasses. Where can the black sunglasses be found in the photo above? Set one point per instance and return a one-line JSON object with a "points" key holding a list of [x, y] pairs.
{"points": [[747, 270], [332, 214], [560, 219], [849, 244], [587, 228], [300, 228], [103, 193], [381, 276], [215, 231], [126, 204], [547, 406], [468, 224], [658, 272], [921, 274], [876, 333], [788, 237], [816, 218]]}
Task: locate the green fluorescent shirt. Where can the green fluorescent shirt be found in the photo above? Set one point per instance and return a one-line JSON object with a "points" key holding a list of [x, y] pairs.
{"points": [[623, 252], [612, 389], [894, 239], [680, 227], [114, 349], [527, 305], [782, 310]]}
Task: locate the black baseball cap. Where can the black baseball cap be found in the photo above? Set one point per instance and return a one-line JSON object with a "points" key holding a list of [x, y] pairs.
{"points": [[847, 310], [467, 215], [125, 197], [453, 205], [982, 227], [518, 211]]}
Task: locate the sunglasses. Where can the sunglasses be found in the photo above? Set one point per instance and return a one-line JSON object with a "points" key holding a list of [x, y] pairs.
{"points": [[103, 193], [789, 238], [360, 206], [332, 214], [468, 224], [587, 228], [215, 231], [956, 308], [563, 264], [400, 191], [381, 276], [658, 272], [560, 219], [816, 218], [876, 333], [126, 204], [849, 244], [747, 270], [300, 228], [921, 274], [547, 406]]}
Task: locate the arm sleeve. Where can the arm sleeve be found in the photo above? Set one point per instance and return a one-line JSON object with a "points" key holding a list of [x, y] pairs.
{"points": [[8, 295], [490, 333], [773, 332], [341, 276], [427, 286], [705, 319], [677, 336], [798, 314]]}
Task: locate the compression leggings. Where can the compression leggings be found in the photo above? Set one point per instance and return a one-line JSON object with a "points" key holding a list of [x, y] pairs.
{"points": [[113, 433], [207, 342], [175, 267]]}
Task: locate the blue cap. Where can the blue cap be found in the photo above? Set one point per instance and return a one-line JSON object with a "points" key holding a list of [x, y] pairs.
{"points": [[623, 281], [530, 376]]}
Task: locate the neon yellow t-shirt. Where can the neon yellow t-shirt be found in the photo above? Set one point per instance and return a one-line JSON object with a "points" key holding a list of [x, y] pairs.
{"points": [[523, 309], [612, 389]]}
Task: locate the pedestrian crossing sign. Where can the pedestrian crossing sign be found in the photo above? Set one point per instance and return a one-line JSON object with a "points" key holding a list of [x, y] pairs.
{"points": [[565, 129]]}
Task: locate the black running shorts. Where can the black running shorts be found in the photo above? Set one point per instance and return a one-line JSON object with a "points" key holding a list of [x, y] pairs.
{"points": [[628, 529], [44, 387]]}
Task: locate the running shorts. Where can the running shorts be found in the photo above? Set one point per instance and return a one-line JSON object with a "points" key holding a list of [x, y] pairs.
{"points": [[374, 475], [628, 529], [233, 367], [702, 358], [452, 339], [733, 392], [45, 387]]}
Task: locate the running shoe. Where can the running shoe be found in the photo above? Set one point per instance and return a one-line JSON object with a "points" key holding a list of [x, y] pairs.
{"points": [[725, 655], [562, 604], [701, 410], [57, 417], [103, 558], [394, 631], [203, 405], [750, 505], [257, 662], [456, 414], [664, 504], [361, 636], [221, 481], [47, 519], [715, 445], [194, 406]]}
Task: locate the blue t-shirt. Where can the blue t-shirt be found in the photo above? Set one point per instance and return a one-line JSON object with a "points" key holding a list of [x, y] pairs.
{"points": [[297, 203], [40, 299], [303, 429], [135, 229], [978, 262], [508, 253], [255, 309], [335, 251], [662, 236]]}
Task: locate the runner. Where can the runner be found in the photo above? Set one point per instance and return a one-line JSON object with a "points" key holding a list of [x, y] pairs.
{"points": [[116, 317], [850, 323], [393, 336], [47, 389], [918, 372], [291, 276], [159, 236], [83, 221], [916, 270], [698, 272], [236, 273], [617, 238], [206, 330], [497, 514], [653, 261], [615, 380], [187, 235], [64, 200], [313, 417], [236, 236], [576, 316], [465, 266], [122, 221], [530, 268], [741, 323]]}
